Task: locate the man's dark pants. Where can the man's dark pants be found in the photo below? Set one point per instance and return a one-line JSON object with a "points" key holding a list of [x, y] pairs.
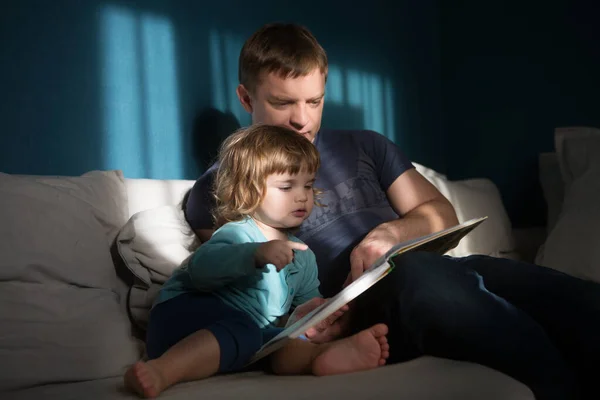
{"points": [[540, 326]]}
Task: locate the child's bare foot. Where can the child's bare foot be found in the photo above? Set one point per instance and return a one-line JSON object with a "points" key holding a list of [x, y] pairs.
{"points": [[365, 350], [144, 379]]}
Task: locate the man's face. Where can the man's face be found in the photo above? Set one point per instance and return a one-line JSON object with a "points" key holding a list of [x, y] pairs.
{"points": [[296, 103]]}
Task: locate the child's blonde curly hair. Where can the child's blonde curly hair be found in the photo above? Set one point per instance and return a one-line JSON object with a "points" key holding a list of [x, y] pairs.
{"points": [[248, 157]]}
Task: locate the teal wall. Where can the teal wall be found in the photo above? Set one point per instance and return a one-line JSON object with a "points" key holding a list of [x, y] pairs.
{"points": [[468, 88], [512, 72], [117, 84]]}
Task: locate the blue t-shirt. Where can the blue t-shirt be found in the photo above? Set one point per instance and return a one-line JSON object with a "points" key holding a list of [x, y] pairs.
{"points": [[225, 266], [357, 168]]}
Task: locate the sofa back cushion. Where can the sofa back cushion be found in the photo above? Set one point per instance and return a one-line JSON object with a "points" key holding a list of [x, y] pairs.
{"points": [[104, 192], [61, 318], [573, 244], [474, 198], [145, 194]]}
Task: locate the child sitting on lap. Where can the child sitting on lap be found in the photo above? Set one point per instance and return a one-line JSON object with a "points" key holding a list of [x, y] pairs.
{"points": [[232, 294]]}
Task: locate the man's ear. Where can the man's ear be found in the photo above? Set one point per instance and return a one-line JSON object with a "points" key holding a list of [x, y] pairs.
{"points": [[244, 97]]}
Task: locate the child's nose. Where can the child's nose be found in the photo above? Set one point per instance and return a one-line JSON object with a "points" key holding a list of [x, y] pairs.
{"points": [[301, 196]]}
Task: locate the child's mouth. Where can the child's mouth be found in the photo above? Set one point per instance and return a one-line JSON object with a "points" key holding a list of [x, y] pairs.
{"points": [[299, 213]]}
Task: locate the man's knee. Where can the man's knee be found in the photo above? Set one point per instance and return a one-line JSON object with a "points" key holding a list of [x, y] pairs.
{"points": [[435, 289], [422, 269]]}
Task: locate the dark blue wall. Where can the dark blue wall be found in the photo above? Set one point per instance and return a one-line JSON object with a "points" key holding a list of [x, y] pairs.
{"points": [[512, 72], [468, 88], [117, 84]]}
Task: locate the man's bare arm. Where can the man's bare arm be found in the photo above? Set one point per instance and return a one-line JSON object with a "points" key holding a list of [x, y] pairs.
{"points": [[423, 210], [204, 234]]}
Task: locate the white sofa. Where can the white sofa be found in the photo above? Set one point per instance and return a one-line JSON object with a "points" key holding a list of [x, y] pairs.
{"points": [[67, 301]]}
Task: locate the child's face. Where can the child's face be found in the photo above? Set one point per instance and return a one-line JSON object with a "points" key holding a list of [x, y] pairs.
{"points": [[288, 201]]}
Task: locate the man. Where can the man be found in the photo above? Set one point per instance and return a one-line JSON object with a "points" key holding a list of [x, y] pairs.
{"points": [[535, 324]]}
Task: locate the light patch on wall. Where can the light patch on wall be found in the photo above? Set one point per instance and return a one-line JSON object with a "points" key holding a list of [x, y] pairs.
{"points": [[390, 111], [161, 98], [224, 54], [233, 46], [217, 79], [354, 88], [142, 133], [335, 85], [374, 92], [122, 100], [368, 93]]}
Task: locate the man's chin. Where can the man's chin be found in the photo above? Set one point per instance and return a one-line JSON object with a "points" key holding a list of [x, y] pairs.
{"points": [[310, 136]]}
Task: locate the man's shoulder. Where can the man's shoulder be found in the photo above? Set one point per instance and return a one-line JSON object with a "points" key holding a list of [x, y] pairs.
{"points": [[357, 135]]}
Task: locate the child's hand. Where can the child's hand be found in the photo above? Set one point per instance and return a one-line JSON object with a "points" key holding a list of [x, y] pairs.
{"points": [[332, 327], [277, 252]]}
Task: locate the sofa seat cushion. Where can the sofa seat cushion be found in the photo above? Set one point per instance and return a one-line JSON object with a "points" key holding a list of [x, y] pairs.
{"points": [[425, 378]]}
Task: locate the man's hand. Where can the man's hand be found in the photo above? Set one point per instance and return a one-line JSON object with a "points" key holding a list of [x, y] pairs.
{"points": [[373, 246], [277, 252], [328, 329]]}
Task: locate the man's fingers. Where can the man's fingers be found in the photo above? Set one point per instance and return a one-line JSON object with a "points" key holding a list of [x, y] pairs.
{"points": [[356, 268], [348, 280], [356, 264]]}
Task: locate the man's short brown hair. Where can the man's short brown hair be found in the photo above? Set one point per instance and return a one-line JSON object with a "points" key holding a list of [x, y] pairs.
{"points": [[289, 50]]}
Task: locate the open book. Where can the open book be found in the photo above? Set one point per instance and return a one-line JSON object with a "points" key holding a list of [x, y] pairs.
{"points": [[438, 242]]}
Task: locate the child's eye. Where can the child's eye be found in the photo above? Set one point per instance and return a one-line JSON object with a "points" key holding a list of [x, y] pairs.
{"points": [[285, 188], [309, 187]]}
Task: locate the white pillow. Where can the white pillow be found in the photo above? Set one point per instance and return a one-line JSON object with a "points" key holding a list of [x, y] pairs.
{"points": [[152, 244], [475, 198], [553, 187], [573, 246]]}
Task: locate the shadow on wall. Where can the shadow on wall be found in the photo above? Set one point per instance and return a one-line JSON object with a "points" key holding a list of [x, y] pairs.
{"points": [[211, 127]]}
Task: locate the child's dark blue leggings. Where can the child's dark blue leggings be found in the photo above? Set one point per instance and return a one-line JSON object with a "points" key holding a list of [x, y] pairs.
{"points": [[238, 335]]}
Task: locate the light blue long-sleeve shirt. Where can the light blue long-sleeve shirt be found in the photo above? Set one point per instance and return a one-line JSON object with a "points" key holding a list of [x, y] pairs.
{"points": [[225, 266]]}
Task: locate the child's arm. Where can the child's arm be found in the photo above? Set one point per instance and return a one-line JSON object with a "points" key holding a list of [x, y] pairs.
{"points": [[231, 254], [227, 256], [309, 287]]}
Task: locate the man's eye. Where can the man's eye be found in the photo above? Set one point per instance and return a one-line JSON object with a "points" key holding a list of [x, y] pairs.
{"points": [[308, 187]]}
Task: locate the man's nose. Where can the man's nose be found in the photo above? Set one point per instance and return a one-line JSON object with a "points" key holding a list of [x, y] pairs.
{"points": [[299, 117]]}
